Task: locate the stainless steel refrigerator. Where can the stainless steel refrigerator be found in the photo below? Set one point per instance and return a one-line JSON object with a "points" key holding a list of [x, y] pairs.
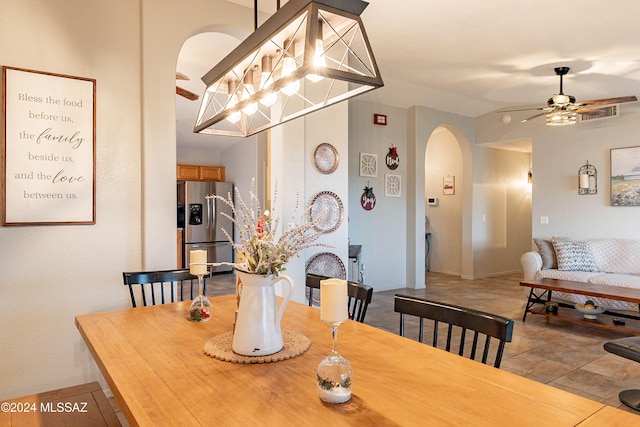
{"points": [[203, 222]]}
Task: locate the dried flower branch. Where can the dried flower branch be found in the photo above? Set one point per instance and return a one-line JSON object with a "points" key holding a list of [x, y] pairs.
{"points": [[260, 250]]}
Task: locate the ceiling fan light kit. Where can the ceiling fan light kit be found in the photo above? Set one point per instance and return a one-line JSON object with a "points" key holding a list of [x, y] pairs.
{"points": [[561, 117], [563, 110], [310, 54]]}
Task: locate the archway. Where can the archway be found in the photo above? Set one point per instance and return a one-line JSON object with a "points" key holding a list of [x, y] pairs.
{"points": [[444, 195]]}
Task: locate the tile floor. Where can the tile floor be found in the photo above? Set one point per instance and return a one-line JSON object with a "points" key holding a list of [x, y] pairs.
{"points": [[562, 354]]}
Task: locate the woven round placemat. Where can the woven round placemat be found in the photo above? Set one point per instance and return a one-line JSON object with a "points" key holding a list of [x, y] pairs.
{"points": [[219, 347]]}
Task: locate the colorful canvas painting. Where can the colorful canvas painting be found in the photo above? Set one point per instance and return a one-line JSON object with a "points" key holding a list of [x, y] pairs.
{"points": [[625, 176]]}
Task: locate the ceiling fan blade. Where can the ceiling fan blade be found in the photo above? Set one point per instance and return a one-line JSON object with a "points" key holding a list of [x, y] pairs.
{"points": [[583, 110], [180, 76], [532, 117], [515, 109], [187, 94], [608, 101]]}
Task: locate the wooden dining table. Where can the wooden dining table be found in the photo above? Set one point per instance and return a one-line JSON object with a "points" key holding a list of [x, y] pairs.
{"points": [[153, 360]]}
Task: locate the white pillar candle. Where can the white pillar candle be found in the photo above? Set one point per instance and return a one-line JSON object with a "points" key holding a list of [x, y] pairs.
{"points": [[198, 263], [333, 300], [584, 181]]}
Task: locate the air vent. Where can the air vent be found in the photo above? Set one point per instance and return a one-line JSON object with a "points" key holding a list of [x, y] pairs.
{"points": [[600, 113]]}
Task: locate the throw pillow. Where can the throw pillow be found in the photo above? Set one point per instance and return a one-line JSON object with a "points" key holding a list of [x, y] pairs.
{"points": [[574, 256], [547, 253]]}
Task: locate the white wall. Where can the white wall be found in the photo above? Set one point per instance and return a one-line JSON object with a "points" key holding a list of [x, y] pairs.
{"points": [[205, 157], [382, 230], [317, 132], [558, 153], [292, 148], [243, 162]]}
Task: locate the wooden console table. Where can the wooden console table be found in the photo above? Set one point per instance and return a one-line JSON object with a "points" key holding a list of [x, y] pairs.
{"points": [[581, 288]]}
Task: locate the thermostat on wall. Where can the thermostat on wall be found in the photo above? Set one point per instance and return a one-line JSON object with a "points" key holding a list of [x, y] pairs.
{"points": [[432, 201]]}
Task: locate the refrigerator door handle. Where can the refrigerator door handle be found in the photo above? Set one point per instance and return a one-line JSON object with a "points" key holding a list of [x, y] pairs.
{"points": [[208, 199], [213, 216]]}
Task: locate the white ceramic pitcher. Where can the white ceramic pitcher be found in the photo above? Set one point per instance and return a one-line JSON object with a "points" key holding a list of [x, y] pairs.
{"points": [[257, 331]]}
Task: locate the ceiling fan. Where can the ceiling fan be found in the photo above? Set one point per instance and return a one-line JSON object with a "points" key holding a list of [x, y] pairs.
{"points": [[183, 92], [562, 109]]}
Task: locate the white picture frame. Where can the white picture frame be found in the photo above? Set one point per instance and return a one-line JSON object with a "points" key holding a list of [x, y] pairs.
{"points": [[368, 164], [392, 185]]}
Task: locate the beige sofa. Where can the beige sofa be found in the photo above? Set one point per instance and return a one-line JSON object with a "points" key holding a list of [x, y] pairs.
{"points": [[612, 262]]}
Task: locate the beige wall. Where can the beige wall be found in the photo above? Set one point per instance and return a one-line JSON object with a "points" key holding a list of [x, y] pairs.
{"points": [[501, 210], [51, 273], [443, 158], [558, 153]]}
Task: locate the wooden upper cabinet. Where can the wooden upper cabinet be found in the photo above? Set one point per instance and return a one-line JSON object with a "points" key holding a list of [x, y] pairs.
{"points": [[188, 172], [211, 173], [199, 173]]}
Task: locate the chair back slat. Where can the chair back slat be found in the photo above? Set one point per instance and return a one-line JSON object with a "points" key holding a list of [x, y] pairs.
{"points": [[487, 324], [474, 345], [312, 282], [462, 337], [485, 353], [359, 295], [149, 283]]}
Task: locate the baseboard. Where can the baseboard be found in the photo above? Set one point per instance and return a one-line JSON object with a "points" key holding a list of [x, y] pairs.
{"points": [[504, 273]]}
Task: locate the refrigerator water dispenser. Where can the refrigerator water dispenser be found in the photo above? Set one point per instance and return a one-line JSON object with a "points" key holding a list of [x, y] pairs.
{"points": [[195, 213]]}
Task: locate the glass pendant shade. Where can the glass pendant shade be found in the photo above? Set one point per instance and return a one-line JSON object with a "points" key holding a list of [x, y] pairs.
{"points": [[310, 54], [319, 60], [233, 101], [561, 117], [289, 67], [266, 80], [249, 90]]}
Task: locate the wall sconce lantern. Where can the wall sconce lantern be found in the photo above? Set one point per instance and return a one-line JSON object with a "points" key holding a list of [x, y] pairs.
{"points": [[310, 54], [587, 179], [530, 176]]}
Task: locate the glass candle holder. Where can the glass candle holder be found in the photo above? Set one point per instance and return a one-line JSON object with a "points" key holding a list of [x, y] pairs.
{"points": [[200, 309], [334, 374]]}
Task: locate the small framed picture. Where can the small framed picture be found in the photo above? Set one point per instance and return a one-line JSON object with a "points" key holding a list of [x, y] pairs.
{"points": [[449, 185]]}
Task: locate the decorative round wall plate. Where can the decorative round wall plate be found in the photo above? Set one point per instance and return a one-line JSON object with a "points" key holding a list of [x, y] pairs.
{"points": [[325, 158], [324, 264], [326, 209]]}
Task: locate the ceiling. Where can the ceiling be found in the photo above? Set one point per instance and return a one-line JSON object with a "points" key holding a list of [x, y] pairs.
{"points": [[467, 56]]}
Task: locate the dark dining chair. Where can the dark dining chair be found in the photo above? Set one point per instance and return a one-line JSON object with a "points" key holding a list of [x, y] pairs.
{"points": [[480, 323], [629, 348], [157, 284], [359, 296]]}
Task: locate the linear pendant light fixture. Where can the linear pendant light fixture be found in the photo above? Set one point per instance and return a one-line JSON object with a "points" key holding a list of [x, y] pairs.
{"points": [[310, 54]]}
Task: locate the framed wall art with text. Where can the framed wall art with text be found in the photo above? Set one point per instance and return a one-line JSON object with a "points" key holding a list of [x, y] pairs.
{"points": [[48, 148]]}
